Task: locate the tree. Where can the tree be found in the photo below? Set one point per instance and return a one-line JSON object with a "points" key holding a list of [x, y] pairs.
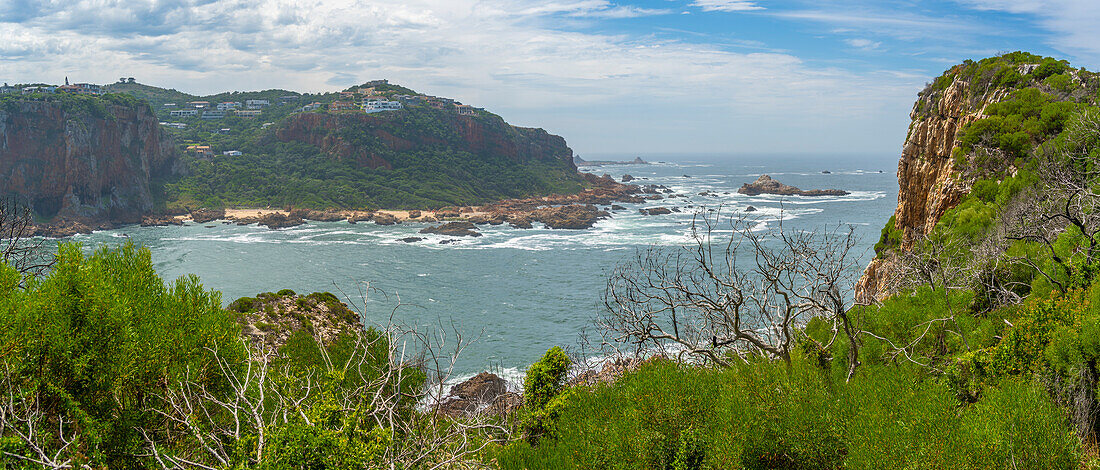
{"points": [[18, 246], [722, 298]]}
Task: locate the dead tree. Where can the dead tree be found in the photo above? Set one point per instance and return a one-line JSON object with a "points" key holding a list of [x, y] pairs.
{"points": [[1067, 198], [728, 296], [49, 440], [19, 248]]}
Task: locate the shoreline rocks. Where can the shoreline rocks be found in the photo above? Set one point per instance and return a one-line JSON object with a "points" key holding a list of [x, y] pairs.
{"points": [[766, 185], [454, 229]]}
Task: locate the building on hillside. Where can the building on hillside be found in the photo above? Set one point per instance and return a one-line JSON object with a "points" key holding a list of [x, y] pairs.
{"points": [[198, 104], [39, 89], [337, 106], [256, 104], [465, 110], [232, 153], [310, 107], [174, 125], [347, 94], [8, 90], [225, 106], [223, 131], [266, 125], [376, 106], [201, 150], [80, 89], [184, 113], [374, 83], [169, 105], [248, 113], [213, 114]]}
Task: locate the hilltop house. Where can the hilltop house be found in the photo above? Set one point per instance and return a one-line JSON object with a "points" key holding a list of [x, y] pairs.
{"points": [[198, 104], [8, 90], [184, 113], [201, 150], [228, 105], [39, 89], [310, 107], [465, 110], [80, 89], [256, 104], [376, 106], [341, 106]]}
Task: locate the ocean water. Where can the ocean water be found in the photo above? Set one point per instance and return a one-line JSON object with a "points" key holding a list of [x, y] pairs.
{"points": [[518, 292]]}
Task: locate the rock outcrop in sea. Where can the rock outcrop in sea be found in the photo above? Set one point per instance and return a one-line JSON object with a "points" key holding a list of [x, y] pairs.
{"points": [[766, 185]]}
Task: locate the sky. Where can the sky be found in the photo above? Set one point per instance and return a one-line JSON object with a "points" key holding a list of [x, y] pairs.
{"points": [[726, 77]]}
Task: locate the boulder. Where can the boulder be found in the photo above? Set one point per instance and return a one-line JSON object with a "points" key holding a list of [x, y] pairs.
{"points": [[474, 395], [627, 178], [617, 207], [276, 220], [159, 221], [359, 217], [203, 216], [382, 218], [573, 217], [454, 229], [414, 214], [411, 239], [750, 209], [519, 221]]}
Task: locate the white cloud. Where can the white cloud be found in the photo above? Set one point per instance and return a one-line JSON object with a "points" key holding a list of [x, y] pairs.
{"points": [[865, 44], [726, 5], [603, 92], [1074, 22]]}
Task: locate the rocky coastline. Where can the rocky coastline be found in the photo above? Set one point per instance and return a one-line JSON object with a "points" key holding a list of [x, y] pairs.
{"points": [[563, 211]]}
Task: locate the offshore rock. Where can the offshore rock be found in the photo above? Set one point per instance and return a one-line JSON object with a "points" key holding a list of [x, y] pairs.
{"points": [[655, 211], [279, 220], [574, 217], [766, 185], [382, 218], [203, 216], [454, 229]]}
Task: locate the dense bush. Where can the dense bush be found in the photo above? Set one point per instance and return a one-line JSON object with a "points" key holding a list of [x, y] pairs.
{"points": [[766, 415]]}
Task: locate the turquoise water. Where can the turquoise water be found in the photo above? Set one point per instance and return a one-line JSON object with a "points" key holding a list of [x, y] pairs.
{"points": [[519, 291]]}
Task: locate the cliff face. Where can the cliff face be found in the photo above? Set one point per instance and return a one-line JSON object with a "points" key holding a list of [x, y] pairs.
{"points": [[928, 182], [366, 139], [83, 165]]}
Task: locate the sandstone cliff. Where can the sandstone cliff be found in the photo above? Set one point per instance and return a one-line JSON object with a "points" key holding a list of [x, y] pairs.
{"points": [[92, 162], [929, 183]]}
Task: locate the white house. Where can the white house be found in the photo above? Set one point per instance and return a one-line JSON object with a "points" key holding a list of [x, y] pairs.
{"points": [[250, 113], [256, 104], [228, 105], [377, 106], [184, 113], [232, 153]]}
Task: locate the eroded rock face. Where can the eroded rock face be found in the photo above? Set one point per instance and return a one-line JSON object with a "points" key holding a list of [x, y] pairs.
{"points": [[766, 185], [279, 220], [86, 166], [928, 182]]}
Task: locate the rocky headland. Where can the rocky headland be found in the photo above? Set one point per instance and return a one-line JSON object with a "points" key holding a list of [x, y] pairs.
{"points": [[766, 185]]}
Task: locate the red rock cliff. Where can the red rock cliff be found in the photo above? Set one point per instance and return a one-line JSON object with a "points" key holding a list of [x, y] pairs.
{"points": [[83, 165]]}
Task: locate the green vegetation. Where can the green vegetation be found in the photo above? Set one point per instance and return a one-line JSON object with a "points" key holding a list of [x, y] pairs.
{"points": [[415, 158]]}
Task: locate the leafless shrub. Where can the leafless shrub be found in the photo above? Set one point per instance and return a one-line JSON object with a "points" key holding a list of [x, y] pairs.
{"points": [[49, 439], [259, 399], [18, 246], [724, 297]]}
